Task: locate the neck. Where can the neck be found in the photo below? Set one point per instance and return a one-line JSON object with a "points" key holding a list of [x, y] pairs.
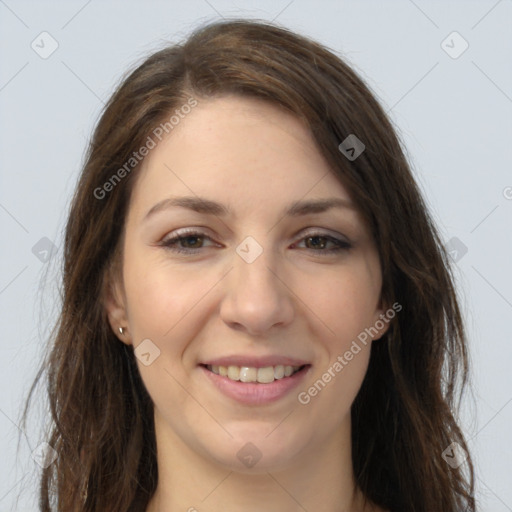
{"points": [[319, 479]]}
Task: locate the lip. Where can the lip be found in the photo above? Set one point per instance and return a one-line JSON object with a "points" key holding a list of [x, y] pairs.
{"points": [[253, 393], [255, 362]]}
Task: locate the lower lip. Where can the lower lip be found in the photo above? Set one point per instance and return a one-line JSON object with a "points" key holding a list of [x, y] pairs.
{"points": [[254, 393]]}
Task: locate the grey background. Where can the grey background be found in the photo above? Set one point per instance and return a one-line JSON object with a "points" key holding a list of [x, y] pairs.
{"points": [[454, 115]]}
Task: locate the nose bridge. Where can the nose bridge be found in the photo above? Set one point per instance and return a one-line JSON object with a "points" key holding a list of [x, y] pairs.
{"points": [[255, 298], [252, 273]]}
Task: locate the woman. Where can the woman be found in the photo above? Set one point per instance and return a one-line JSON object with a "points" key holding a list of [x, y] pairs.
{"points": [[258, 311]]}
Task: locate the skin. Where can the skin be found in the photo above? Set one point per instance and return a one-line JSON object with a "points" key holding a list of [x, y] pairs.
{"points": [[293, 300]]}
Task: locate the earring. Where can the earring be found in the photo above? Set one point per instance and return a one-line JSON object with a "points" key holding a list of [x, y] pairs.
{"points": [[121, 330]]}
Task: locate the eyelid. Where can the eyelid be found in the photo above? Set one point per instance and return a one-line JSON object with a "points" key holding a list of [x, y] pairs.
{"points": [[309, 232], [184, 233], [189, 231], [324, 232]]}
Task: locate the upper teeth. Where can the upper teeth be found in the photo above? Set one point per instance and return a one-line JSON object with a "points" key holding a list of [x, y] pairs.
{"points": [[250, 374]]}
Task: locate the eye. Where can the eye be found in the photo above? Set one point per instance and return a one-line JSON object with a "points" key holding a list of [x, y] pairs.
{"points": [[185, 242], [324, 244], [192, 241]]}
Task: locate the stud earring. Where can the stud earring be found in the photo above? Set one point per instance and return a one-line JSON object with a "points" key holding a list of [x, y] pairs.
{"points": [[121, 330]]}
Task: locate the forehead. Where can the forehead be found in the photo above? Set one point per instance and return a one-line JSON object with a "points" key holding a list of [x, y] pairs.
{"points": [[244, 152]]}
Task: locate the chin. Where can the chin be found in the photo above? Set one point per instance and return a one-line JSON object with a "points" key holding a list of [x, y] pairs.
{"points": [[258, 450]]}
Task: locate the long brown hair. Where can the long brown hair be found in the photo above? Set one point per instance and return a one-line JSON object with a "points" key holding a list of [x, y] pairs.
{"points": [[404, 415]]}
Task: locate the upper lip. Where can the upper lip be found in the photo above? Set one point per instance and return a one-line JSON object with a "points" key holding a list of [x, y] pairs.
{"points": [[255, 362]]}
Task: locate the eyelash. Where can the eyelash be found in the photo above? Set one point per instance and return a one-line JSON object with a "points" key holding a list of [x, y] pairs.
{"points": [[171, 243]]}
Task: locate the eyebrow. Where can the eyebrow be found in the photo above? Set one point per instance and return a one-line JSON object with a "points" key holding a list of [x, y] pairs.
{"points": [[209, 207]]}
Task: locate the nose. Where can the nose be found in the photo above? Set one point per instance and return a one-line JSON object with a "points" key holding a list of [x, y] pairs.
{"points": [[256, 296]]}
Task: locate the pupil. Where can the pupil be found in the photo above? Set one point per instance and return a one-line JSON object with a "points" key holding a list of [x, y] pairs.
{"points": [[317, 241], [189, 240]]}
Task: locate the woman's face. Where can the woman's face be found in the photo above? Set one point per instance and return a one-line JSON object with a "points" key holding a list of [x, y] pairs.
{"points": [[243, 254]]}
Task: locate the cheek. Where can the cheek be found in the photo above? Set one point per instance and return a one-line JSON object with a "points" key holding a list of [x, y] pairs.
{"points": [[158, 296], [162, 308], [168, 306], [154, 304], [346, 303], [346, 307], [333, 391]]}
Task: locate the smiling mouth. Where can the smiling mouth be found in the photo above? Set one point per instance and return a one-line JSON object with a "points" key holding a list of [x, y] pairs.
{"points": [[265, 375]]}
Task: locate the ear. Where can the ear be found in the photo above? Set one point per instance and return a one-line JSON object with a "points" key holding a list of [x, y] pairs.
{"points": [[114, 300]]}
